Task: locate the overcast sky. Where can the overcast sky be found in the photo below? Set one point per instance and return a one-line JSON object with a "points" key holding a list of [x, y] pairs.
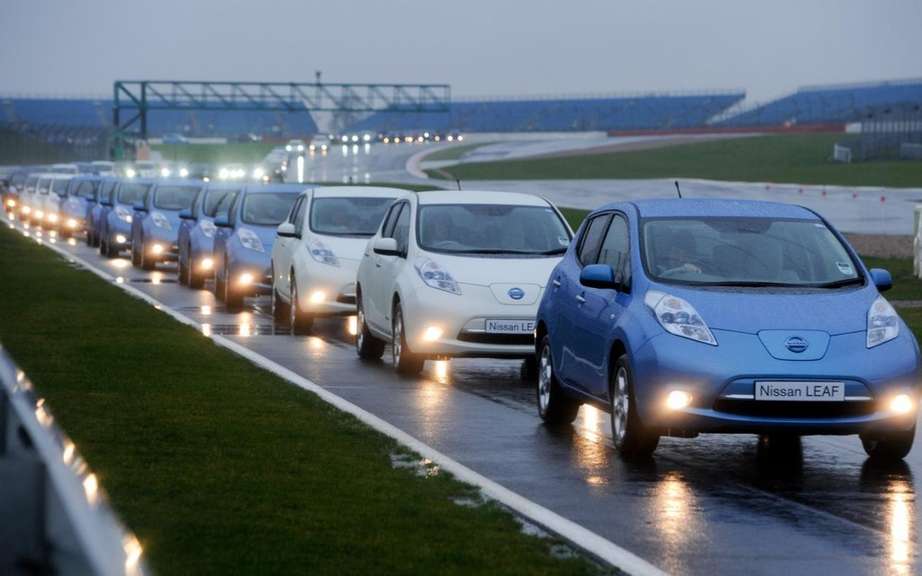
{"points": [[480, 47]]}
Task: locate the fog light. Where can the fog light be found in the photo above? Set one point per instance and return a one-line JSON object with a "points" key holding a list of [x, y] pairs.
{"points": [[352, 325], [207, 264], [902, 404], [39, 214], [678, 399], [157, 249], [120, 238], [71, 223], [245, 279], [318, 296], [11, 203], [432, 334], [26, 209], [53, 218]]}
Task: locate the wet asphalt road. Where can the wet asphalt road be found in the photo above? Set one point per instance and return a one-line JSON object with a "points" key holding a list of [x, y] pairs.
{"points": [[711, 505], [856, 210]]}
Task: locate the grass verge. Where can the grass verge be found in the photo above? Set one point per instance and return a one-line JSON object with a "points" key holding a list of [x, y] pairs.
{"points": [[794, 158], [220, 467], [230, 153]]}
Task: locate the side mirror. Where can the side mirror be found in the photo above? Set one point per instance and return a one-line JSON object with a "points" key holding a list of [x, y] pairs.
{"points": [[139, 207], [599, 276], [881, 279], [222, 222], [186, 215], [287, 230], [386, 247]]}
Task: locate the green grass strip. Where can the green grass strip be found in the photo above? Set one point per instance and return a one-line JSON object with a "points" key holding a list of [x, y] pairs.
{"points": [[223, 468]]}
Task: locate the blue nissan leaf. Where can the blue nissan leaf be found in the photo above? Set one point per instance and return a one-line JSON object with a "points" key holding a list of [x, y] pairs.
{"points": [[681, 317], [155, 221], [197, 232]]}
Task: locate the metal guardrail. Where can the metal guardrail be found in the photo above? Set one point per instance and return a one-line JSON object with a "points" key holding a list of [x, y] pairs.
{"points": [[54, 516]]}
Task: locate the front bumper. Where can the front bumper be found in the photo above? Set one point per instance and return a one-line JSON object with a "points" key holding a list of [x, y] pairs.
{"points": [[328, 290], [721, 380], [462, 319]]}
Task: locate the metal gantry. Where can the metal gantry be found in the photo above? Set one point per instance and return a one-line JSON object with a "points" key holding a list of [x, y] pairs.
{"points": [[134, 99]]}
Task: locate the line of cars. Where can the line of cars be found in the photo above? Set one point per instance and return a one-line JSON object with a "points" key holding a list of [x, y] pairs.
{"points": [[677, 317]]}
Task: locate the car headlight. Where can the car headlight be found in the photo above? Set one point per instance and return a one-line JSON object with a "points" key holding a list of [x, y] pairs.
{"points": [[250, 240], [123, 214], [678, 317], [161, 221], [883, 323], [208, 228], [436, 277], [321, 253]]}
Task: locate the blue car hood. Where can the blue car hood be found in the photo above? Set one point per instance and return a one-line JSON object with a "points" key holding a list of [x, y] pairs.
{"points": [[266, 234], [754, 310]]}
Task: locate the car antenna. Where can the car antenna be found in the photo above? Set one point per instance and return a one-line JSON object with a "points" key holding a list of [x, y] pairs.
{"points": [[677, 189], [458, 181]]}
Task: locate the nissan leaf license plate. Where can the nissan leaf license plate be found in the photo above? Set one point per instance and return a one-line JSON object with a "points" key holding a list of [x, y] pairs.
{"points": [[510, 326], [800, 391]]}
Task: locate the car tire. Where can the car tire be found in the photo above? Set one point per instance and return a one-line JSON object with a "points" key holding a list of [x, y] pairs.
{"points": [[146, 262], [110, 250], [233, 299], [633, 440], [405, 361], [280, 309], [367, 345], [554, 406], [889, 447], [182, 275], [300, 322], [193, 279]]}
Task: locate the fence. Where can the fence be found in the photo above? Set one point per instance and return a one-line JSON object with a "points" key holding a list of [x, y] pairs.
{"points": [[893, 132], [54, 516]]}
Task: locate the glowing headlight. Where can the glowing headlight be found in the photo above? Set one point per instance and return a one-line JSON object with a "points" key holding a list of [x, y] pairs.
{"points": [[53, 218], [71, 223], [208, 228], [902, 404], [11, 203], [130, 173], [288, 148], [161, 221], [120, 239], [165, 172], [300, 147], [318, 296], [245, 279], [321, 253], [678, 399], [250, 240], [156, 249], [432, 334], [435, 277], [39, 215], [883, 323], [123, 214], [183, 172], [678, 317], [258, 173], [206, 264]]}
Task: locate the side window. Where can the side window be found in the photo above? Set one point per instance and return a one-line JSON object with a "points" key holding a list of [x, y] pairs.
{"points": [[616, 249], [402, 229], [293, 215], [299, 212], [388, 230], [592, 239]]}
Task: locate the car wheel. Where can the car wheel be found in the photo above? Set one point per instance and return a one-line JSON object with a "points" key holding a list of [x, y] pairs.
{"points": [[135, 256], [299, 321], [110, 251], [367, 345], [280, 309], [888, 447], [193, 279], [405, 361], [233, 298], [181, 275], [632, 439], [147, 262], [554, 406]]}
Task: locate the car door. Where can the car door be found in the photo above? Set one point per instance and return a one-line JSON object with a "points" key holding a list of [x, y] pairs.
{"points": [[370, 270], [572, 298], [385, 268], [282, 249], [601, 308]]}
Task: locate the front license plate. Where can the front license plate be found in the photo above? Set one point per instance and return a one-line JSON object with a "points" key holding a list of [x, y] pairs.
{"points": [[801, 391], [510, 326]]}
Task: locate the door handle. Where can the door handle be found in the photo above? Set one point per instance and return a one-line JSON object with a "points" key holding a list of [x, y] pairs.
{"points": [[556, 283], [580, 299]]}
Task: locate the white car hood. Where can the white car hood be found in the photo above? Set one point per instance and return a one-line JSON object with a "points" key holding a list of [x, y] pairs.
{"points": [[511, 280], [345, 247]]}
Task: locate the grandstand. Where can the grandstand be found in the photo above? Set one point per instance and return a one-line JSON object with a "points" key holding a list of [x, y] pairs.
{"points": [[634, 112], [831, 104]]}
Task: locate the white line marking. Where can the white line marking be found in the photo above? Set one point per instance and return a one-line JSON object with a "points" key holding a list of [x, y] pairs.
{"points": [[582, 537]]}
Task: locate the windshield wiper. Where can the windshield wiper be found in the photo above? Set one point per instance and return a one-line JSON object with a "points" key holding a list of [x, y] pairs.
{"points": [[502, 251], [839, 283], [753, 284]]}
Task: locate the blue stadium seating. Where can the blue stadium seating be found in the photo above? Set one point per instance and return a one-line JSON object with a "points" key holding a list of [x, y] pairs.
{"points": [[829, 104], [653, 112]]}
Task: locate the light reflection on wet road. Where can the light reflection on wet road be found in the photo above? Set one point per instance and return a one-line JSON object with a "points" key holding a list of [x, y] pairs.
{"points": [[715, 504]]}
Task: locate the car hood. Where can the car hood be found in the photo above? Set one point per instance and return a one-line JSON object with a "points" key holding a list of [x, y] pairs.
{"points": [[757, 310], [511, 280], [266, 234], [344, 247]]}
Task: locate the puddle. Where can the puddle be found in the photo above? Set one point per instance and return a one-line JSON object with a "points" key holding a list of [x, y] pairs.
{"points": [[423, 468], [153, 280]]}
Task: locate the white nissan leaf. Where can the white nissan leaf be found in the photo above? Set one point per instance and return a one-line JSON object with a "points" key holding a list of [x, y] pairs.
{"points": [[318, 249], [457, 274]]}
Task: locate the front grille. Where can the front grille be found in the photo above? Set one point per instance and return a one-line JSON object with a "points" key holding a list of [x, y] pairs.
{"points": [[499, 339], [806, 410]]}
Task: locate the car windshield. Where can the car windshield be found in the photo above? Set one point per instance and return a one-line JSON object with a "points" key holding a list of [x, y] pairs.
{"points": [[348, 216], [175, 197], [217, 198], [88, 189], [268, 209], [746, 252], [492, 229], [59, 186], [132, 193]]}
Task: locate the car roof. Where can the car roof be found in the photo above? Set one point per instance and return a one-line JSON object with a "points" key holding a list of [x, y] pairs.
{"points": [[480, 197], [716, 207], [358, 192], [267, 188]]}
